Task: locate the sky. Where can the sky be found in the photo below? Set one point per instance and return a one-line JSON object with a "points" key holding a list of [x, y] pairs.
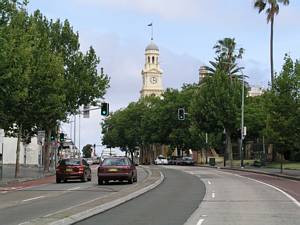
{"points": [[184, 30]]}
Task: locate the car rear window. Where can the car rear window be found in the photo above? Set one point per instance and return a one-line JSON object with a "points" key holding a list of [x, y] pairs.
{"points": [[71, 162], [115, 162]]}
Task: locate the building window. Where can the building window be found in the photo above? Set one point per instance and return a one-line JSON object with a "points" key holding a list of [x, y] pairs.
{"points": [[148, 59], [153, 59]]}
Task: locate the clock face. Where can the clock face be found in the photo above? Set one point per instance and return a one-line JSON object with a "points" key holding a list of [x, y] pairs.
{"points": [[153, 80]]}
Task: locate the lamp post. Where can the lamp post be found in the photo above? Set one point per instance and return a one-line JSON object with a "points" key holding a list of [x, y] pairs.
{"points": [[242, 121]]}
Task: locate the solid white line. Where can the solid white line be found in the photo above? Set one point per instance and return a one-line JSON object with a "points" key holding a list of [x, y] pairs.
{"points": [[73, 189], [30, 199], [208, 182], [213, 195], [200, 221], [276, 188], [4, 192]]}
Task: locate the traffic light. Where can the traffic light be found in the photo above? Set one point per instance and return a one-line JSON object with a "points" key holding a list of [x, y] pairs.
{"points": [[104, 109], [53, 136], [181, 114], [61, 137]]}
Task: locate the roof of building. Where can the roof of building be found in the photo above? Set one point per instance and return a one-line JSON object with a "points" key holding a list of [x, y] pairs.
{"points": [[152, 46]]}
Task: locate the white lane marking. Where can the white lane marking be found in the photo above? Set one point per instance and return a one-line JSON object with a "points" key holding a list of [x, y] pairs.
{"points": [[73, 189], [276, 188], [30, 199], [213, 195], [27, 222], [200, 221], [4, 192], [208, 182]]}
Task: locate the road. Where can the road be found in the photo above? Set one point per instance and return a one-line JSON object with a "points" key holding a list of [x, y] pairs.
{"points": [[171, 203], [26, 204], [229, 199]]}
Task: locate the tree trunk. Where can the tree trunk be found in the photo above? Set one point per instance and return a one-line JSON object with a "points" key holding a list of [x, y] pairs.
{"points": [[17, 168], [229, 148], [271, 52], [46, 151]]}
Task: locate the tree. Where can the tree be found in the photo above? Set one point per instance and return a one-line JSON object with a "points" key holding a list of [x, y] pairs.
{"points": [[226, 58], [283, 104], [15, 70], [87, 151], [216, 107], [271, 7]]}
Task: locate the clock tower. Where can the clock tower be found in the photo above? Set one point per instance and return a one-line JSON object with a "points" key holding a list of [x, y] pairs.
{"points": [[152, 73]]}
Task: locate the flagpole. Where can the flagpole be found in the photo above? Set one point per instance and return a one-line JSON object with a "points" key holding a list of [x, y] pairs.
{"points": [[151, 31]]}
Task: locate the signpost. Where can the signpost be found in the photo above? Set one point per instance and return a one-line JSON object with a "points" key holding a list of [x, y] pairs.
{"points": [[40, 137]]}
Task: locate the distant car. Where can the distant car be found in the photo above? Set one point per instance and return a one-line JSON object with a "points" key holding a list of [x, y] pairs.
{"points": [[70, 169], [173, 160], [117, 169], [161, 160], [186, 161]]}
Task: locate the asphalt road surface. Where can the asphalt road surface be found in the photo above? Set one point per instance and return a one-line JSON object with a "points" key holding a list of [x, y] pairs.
{"points": [[26, 204], [171, 203], [230, 199]]}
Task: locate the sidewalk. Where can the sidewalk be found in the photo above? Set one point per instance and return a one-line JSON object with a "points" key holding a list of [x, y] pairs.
{"points": [[26, 173]]}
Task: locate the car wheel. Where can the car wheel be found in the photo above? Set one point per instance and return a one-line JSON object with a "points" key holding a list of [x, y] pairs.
{"points": [[89, 179], [135, 179], [58, 180], [131, 179], [65, 180], [100, 181]]}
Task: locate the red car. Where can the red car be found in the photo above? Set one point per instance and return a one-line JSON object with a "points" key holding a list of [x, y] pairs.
{"points": [[117, 169], [73, 169]]}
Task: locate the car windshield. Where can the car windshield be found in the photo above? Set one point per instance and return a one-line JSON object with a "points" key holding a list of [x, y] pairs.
{"points": [[115, 162], [161, 157], [187, 158], [70, 162]]}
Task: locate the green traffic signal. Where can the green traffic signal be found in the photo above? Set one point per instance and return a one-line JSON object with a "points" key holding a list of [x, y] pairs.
{"points": [[53, 135], [104, 109], [181, 114], [61, 137]]}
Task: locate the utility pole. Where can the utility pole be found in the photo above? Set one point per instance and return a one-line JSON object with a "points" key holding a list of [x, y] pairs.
{"points": [[242, 122], [206, 147]]}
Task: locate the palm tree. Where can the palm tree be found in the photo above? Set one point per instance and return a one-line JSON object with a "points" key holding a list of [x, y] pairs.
{"points": [[225, 60], [271, 8]]}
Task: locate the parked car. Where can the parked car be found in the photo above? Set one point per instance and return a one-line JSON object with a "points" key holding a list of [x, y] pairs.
{"points": [[186, 161], [161, 160], [69, 169], [173, 160], [117, 169]]}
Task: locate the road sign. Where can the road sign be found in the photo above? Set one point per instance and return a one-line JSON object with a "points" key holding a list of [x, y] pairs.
{"points": [[40, 137], [86, 111]]}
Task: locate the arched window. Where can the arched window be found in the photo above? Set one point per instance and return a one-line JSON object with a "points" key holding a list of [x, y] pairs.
{"points": [[153, 59], [148, 59]]}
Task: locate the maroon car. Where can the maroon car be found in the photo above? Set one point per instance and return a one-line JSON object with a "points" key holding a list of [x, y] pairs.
{"points": [[73, 169], [117, 169]]}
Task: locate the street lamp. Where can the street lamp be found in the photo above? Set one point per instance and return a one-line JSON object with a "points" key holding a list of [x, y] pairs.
{"points": [[242, 120]]}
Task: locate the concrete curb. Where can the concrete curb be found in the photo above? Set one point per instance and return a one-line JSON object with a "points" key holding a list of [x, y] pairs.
{"points": [[106, 206], [254, 171]]}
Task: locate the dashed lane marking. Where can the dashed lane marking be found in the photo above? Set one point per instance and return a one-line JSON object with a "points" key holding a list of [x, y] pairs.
{"points": [[200, 221], [73, 189], [30, 199]]}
